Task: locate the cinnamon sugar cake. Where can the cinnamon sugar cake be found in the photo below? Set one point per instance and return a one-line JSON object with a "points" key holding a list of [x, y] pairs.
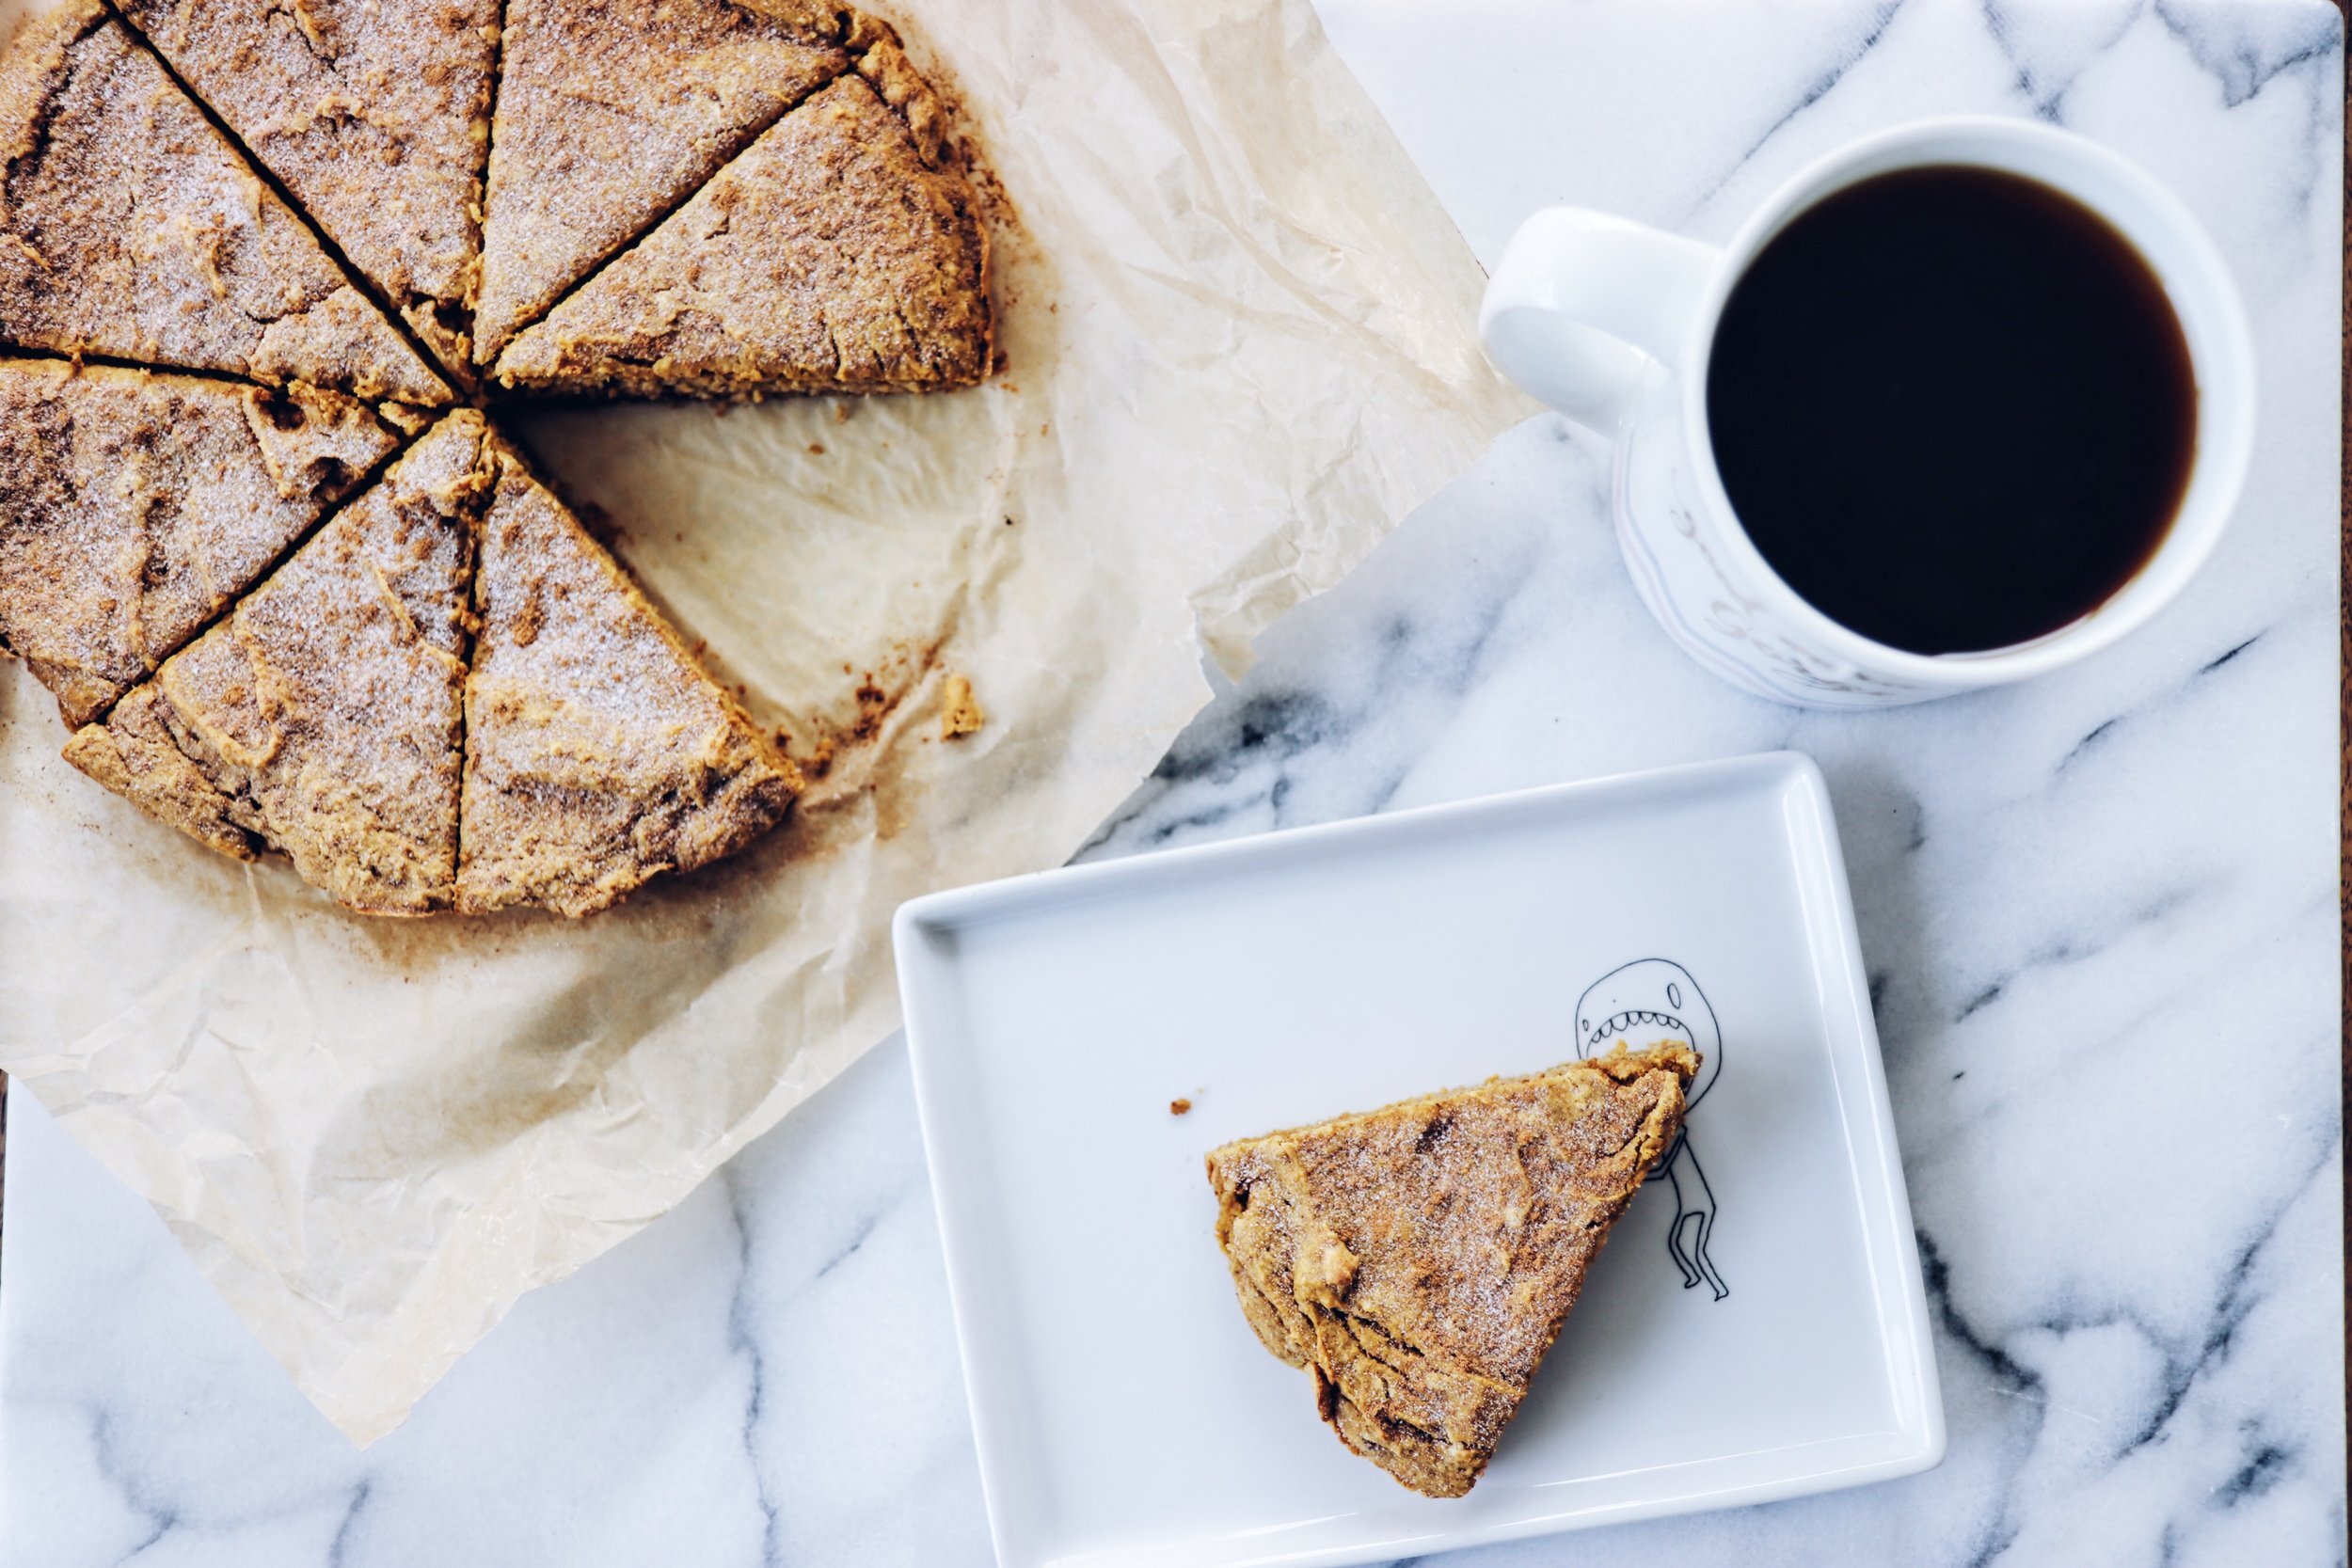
{"points": [[1418, 1260], [250, 254]]}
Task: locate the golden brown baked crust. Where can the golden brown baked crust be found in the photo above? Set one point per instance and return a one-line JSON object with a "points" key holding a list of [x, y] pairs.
{"points": [[374, 118], [837, 254], [332, 714], [760, 197], [130, 229], [324, 714], [610, 113], [597, 753], [135, 505], [1418, 1259], [134, 755]]}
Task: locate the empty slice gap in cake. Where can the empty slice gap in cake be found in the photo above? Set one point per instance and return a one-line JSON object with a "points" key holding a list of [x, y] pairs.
{"points": [[840, 252], [135, 505], [610, 113], [599, 752], [373, 118], [322, 717], [1420, 1260], [130, 229]]}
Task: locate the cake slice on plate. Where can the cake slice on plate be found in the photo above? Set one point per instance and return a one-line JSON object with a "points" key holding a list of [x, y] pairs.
{"points": [[1420, 1260], [130, 229], [135, 505], [841, 252], [322, 718], [374, 118], [611, 112], [599, 753]]}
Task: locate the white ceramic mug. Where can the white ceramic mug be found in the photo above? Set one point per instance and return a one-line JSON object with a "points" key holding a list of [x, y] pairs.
{"points": [[1611, 322]]}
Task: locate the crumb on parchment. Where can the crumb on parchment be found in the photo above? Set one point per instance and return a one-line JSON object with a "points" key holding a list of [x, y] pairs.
{"points": [[1177, 1107], [959, 710]]}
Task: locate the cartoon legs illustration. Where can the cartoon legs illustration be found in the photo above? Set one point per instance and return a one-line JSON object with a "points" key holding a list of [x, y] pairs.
{"points": [[1643, 1004], [1694, 1217]]}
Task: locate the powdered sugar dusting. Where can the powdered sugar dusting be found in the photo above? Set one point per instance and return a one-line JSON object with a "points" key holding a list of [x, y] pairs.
{"points": [[599, 752], [609, 114], [130, 229], [373, 117], [133, 506], [829, 257]]}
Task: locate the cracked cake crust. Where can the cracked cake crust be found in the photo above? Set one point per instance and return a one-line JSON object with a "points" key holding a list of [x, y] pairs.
{"points": [[135, 504], [134, 755], [1420, 1260], [841, 252], [450, 697], [131, 229], [610, 113], [445, 695], [374, 118], [599, 753], [323, 717]]}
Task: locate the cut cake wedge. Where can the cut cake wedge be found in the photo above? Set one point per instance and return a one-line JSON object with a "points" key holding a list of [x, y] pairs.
{"points": [[611, 112], [1420, 1260], [841, 252], [130, 229], [599, 753], [322, 718], [374, 116], [133, 506]]}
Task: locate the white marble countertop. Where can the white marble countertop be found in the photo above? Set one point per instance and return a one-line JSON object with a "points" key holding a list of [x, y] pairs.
{"points": [[2099, 913]]}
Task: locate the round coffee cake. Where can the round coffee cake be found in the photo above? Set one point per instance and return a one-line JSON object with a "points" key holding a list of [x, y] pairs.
{"points": [[270, 272]]}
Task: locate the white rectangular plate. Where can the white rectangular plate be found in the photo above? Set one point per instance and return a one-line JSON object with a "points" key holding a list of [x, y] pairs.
{"points": [[1125, 1413]]}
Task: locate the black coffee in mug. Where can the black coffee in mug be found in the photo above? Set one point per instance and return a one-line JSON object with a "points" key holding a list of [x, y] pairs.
{"points": [[1952, 407]]}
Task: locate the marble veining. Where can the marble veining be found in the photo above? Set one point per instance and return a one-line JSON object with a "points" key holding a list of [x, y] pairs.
{"points": [[2098, 913]]}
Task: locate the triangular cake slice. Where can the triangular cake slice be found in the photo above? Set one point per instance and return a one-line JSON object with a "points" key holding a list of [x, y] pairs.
{"points": [[323, 717], [610, 113], [130, 229], [599, 753], [841, 252], [374, 118], [1418, 1259], [135, 505]]}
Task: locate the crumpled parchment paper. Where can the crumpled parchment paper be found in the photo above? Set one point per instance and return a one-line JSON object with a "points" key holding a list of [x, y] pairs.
{"points": [[1238, 344]]}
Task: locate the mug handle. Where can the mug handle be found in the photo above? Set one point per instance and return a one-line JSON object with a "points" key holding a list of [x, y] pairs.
{"points": [[1582, 302]]}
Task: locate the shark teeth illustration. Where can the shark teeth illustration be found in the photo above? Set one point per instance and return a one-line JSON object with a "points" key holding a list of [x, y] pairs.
{"points": [[1617, 1023]]}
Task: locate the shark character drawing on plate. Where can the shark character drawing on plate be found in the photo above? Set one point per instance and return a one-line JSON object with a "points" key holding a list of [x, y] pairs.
{"points": [[1643, 1004]]}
